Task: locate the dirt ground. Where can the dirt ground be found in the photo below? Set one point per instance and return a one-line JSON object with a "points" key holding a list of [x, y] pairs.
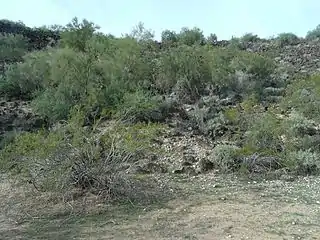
{"points": [[215, 207]]}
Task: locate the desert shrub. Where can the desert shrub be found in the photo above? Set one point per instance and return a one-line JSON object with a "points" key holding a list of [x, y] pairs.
{"points": [[191, 37], [140, 106], [12, 47], [302, 125], [75, 34], [303, 95], [301, 133], [72, 157], [38, 145], [258, 70], [284, 39], [212, 39], [303, 162], [298, 125], [241, 43], [249, 37], [183, 69], [23, 80], [168, 36], [189, 70], [7, 138], [141, 34], [265, 133], [236, 44], [65, 86], [225, 157], [313, 34], [98, 78]]}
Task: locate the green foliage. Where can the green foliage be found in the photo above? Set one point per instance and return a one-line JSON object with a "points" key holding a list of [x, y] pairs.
{"points": [[24, 79], [225, 157], [12, 47], [249, 37], [191, 37], [70, 156], [141, 34], [7, 138], [139, 107], [313, 34], [265, 133], [304, 162], [232, 115], [212, 39], [284, 39], [89, 76], [29, 147], [75, 34], [188, 70], [135, 139], [184, 69], [236, 44], [252, 74], [301, 133], [169, 38], [303, 95]]}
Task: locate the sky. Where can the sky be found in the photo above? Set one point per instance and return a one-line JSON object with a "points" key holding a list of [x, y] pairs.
{"points": [[225, 18]]}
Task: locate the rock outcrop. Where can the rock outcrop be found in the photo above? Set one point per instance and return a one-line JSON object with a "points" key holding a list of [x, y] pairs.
{"points": [[16, 116]]}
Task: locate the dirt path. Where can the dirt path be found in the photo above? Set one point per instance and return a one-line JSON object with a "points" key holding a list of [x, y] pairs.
{"points": [[9, 229], [232, 210], [216, 208]]}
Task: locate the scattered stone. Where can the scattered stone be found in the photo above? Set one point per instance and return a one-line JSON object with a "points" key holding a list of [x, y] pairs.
{"points": [[148, 168], [204, 165], [185, 170]]}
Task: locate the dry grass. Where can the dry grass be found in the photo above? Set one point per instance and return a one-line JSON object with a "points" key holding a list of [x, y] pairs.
{"points": [[209, 207]]}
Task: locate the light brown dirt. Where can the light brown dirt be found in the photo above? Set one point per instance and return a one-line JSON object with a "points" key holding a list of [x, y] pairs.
{"points": [[219, 208]]}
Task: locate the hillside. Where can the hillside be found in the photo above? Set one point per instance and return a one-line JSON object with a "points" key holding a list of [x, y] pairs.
{"points": [[124, 134]]}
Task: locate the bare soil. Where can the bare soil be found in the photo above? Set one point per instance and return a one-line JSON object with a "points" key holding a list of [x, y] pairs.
{"points": [[210, 207]]}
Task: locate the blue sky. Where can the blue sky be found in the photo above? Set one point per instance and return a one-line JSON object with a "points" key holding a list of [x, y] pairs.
{"points": [[226, 18]]}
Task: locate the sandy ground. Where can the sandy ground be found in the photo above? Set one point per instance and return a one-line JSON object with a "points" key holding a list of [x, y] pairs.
{"points": [[218, 209]]}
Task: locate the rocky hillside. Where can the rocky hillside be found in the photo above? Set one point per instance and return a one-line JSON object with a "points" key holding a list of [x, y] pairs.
{"points": [[116, 108], [302, 58]]}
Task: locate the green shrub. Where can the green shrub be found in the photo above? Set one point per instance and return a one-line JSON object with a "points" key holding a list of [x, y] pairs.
{"points": [[249, 37], [12, 47], [258, 68], [303, 162], [212, 39], [75, 35], [284, 39], [225, 157], [313, 34], [140, 106], [7, 138], [303, 95], [265, 133], [183, 69], [71, 157], [23, 80], [191, 37], [236, 44], [169, 38]]}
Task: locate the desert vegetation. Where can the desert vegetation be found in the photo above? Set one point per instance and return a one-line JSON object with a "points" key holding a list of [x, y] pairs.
{"points": [[108, 104]]}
